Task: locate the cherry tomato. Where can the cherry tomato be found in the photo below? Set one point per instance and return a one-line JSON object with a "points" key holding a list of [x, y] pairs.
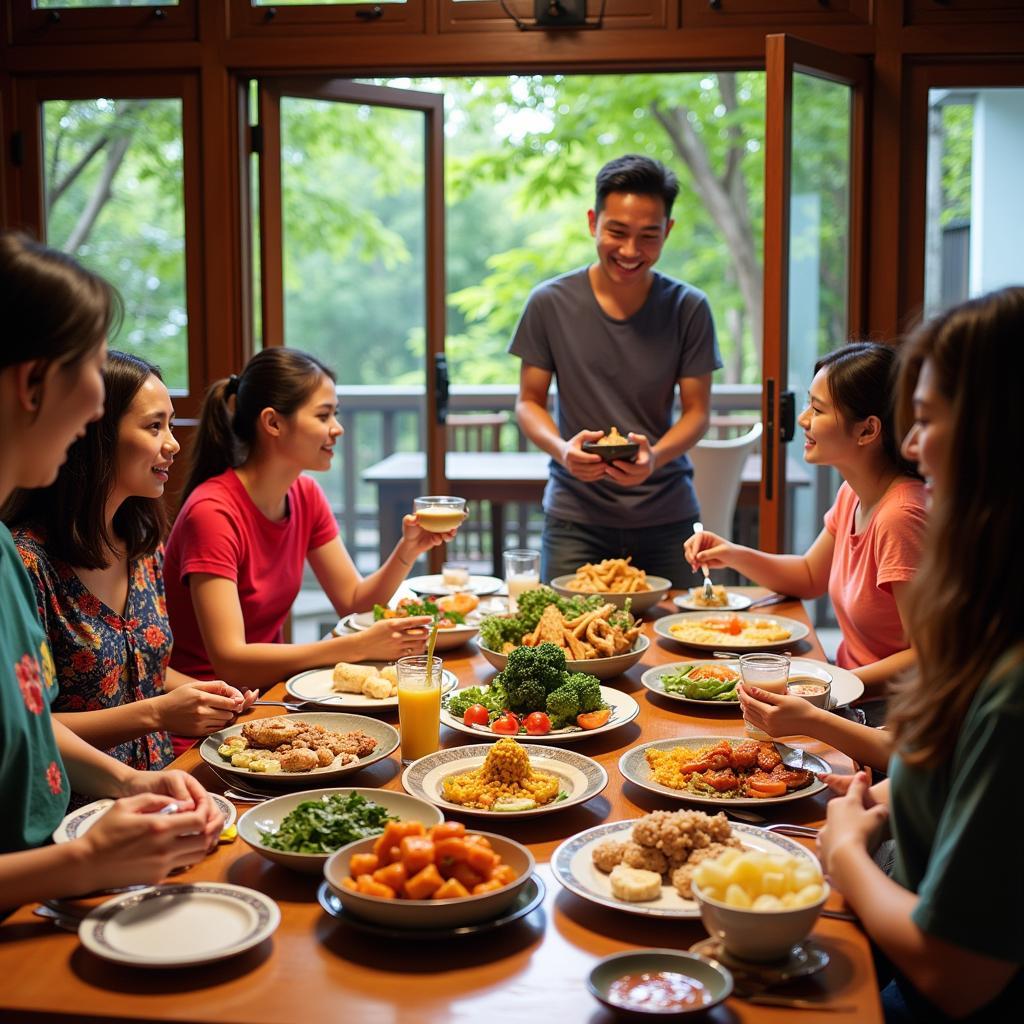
{"points": [[476, 714], [507, 724], [537, 723]]}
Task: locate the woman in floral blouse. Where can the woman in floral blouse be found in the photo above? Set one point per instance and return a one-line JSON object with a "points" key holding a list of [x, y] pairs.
{"points": [[91, 543], [56, 317]]}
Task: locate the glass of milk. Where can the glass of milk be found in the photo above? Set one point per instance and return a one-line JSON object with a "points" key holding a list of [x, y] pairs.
{"points": [[522, 572]]}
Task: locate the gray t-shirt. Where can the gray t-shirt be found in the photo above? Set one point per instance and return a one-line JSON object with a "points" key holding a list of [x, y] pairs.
{"points": [[621, 373]]}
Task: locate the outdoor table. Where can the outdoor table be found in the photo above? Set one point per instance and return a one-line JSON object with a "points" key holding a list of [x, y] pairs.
{"points": [[316, 968]]}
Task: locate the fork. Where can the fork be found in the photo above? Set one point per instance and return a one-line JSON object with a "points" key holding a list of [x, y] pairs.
{"points": [[303, 705], [708, 593]]}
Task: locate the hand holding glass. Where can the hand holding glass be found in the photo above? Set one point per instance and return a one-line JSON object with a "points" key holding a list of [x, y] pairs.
{"points": [[769, 672]]}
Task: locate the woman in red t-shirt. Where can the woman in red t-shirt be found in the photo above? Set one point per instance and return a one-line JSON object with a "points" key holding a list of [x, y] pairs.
{"points": [[250, 521], [870, 547]]}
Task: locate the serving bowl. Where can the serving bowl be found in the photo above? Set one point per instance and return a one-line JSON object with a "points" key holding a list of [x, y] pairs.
{"points": [[716, 979], [430, 914], [639, 601], [603, 668], [758, 936], [267, 817], [611, 452]]}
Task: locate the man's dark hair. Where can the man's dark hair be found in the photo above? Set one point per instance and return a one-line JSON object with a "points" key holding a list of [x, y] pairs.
{"points": [[637, 174]]}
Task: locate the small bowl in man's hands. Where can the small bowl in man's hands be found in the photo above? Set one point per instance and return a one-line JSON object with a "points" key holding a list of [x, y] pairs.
{"points": [[612, 452]]}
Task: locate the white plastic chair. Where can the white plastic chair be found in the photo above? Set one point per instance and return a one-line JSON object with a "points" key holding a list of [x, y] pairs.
{"points": [[717, 475]]}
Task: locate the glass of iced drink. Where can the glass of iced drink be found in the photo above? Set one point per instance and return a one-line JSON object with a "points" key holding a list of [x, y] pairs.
{"points": [[769, 672]]}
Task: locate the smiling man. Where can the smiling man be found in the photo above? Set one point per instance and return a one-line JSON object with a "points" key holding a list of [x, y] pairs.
{"points": [[620, 338]]}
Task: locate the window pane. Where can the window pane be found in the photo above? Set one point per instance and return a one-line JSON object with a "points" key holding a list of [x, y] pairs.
{"points": [[819, 242], [114, 198], [65, 4], [975, 205]]}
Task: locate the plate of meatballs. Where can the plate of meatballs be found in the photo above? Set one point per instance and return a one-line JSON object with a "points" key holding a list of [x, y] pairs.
{"points": [[292, 748]]}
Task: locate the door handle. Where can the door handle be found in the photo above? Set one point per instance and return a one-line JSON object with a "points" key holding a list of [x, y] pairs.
{"points": [[787, 416], [441, 388]]}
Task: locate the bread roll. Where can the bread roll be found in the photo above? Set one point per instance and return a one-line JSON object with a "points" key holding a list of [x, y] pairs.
{"points": [[350, 678], [378, 688], [635, 885]]}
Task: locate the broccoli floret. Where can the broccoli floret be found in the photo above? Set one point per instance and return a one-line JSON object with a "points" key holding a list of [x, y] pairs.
{"points": [[530, 674], [563, 706], [587, 689]]}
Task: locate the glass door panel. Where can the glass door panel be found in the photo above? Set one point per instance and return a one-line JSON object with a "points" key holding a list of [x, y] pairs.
{"points": [[813, 212]]}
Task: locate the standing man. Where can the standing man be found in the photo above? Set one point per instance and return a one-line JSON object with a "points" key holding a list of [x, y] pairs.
{"points": [[619, 337]]}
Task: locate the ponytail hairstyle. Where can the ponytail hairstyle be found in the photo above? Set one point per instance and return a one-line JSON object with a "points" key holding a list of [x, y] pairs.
{"points": [[861, 382], [282, 379], [966, 619], [53, 308], [71, 512]]}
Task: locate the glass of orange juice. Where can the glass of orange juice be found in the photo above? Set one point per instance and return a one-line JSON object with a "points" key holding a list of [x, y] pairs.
{"points": [[419, 706], [522, 572], [439, 513]]}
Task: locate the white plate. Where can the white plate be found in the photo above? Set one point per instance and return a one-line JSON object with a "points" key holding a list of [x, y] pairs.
{"points": [[624, 710], [77, 823], [447, 639], [846, 687], [573, 865], [737, 602], [317, 684], [581, 777], [797, 630], [178, 925], [385, 735], [634, 767], [435, 585]]}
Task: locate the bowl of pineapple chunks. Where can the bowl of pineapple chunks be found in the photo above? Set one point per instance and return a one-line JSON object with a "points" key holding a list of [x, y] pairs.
{"points": [[760, 905]]}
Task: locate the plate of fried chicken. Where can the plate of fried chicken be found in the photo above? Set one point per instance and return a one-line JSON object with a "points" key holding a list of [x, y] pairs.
{"points": [[721, 770], [290, 749]]}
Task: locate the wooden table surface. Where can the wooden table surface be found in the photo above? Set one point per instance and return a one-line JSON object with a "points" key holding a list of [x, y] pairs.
{"points": [[316, 968]]}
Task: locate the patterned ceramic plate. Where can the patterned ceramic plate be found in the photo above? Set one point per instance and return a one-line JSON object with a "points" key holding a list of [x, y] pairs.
{"points": [[573, 865], [318, 684], [178, 925], [634, 767], [77, 823], [580, 777]]}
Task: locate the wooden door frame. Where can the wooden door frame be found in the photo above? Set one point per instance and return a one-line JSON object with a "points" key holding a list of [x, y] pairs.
{"points": [[431, 105], [784, 55]]}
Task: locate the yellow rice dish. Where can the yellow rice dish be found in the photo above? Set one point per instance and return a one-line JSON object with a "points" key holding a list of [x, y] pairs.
{"points": [[730, 630], [504, 782]]}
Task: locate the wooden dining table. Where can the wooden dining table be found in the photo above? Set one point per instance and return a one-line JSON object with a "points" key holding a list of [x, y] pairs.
{"points": [[317, 968]]}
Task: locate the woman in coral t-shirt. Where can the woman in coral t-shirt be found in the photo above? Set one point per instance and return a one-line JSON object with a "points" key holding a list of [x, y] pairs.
{"points": [[870, 546], [250, 521]]}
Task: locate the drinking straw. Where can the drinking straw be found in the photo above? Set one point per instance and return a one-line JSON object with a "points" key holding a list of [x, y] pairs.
{"points": [[430, 647]]}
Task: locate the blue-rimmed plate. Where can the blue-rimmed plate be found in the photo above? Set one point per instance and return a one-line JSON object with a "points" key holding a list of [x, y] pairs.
{"points": [[580, 777], [317, 684], [179, 925], [573, 866], [77, 823], [634, 768]]}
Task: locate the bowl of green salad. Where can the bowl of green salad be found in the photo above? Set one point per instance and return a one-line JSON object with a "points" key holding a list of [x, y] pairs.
{"points": [[301, 830]]}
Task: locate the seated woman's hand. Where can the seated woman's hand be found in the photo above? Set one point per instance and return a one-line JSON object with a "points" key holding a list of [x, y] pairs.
{"points": [[707, 548], [201, 708], [775, 713], [391, 639], [184, 790], [415, 540], [132, 843], [854, 821]]}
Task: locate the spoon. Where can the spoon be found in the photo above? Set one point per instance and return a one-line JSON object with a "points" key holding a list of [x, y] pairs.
{"points": [[708, 593]]}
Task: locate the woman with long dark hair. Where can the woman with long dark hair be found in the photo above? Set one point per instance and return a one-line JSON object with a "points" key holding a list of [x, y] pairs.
{"points": [[56, 317], [869, 549], [949, 918], [251, 520], [92, 543]]}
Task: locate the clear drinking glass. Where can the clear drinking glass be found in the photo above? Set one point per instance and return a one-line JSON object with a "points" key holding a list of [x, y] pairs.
{"points": [[522, 572], [439, 513], [769, 672], [419, 706], [455, 575]]}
